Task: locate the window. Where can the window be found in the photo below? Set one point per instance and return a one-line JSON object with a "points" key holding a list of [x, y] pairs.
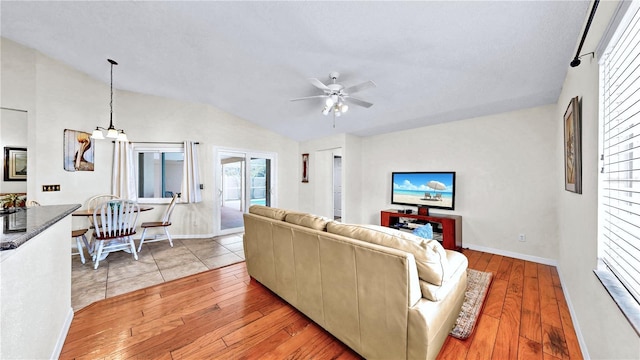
{"points": [[160, 169], [619, 195]]}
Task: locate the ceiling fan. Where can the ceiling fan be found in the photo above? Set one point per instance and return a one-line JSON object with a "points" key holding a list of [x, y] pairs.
{"points": [[337, 95]]}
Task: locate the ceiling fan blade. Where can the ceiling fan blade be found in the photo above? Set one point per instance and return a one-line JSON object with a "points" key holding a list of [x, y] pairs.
{"points": [[359, 87], [309, 97], [358, 102], [317, 83]]}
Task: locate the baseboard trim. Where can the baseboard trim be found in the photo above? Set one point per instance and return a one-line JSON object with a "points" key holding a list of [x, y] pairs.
{"points": [[574, 318], [57, 350], [195, 236], [520, 256]]}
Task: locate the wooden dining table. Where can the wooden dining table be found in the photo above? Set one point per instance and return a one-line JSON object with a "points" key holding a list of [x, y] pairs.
{"points": [[89, 212]]}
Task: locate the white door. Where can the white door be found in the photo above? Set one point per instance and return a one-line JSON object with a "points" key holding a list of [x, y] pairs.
{"points": [[337, 187]]}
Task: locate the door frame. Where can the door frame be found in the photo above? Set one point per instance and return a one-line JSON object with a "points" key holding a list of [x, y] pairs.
{"points": [[248, 155]]}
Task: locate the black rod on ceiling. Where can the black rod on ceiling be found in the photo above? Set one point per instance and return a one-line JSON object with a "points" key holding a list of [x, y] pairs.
{"points": [[576, 60]]}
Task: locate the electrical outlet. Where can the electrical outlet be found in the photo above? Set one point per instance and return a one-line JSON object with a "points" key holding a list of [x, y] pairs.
{"points": [[46, 188], [522, 237]]}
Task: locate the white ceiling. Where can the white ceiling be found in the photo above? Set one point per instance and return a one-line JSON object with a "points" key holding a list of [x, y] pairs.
{"points": [[432, 61]]}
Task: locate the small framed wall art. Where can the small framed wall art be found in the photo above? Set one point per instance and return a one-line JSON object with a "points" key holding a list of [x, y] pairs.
{"points": [[15, 164], [305, 168], [573, 147]]}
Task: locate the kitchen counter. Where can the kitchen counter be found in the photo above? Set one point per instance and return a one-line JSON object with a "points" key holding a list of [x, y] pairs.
{"points": [[18, 227]]}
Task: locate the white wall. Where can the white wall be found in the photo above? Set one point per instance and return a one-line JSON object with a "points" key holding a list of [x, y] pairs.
{"points": [[606, 332], [316, 196], [505, 176], [13, 133], [59, 97], [313, 193]]}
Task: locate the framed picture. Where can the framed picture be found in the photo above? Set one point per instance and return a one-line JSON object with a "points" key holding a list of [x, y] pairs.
{"points": [[573, 147], [15, 164], [78, 150], [305, 168]]}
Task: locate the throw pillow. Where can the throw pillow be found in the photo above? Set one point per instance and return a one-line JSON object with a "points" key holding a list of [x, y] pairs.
{"points": [[424, 231]]}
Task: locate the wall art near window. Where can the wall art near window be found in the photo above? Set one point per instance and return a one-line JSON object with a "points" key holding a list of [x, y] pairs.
{"points": [[15, 164], [573, 147], [78, 150], [305, 168]]}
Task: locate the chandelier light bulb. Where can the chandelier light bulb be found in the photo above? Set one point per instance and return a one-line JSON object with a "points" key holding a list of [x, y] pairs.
{"points": [[97, 134], [344, 108], [329, 102]]}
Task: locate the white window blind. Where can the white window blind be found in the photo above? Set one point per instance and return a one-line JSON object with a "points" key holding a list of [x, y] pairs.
{"points": [[620, 179]]}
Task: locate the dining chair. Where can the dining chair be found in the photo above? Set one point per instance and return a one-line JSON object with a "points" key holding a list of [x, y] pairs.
{"points": [[114, 224], [91, 204], [80, 237], [164, 224], [96, 200]]}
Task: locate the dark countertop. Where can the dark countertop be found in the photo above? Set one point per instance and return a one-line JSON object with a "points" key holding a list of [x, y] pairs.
{"points": [[17, 228]]}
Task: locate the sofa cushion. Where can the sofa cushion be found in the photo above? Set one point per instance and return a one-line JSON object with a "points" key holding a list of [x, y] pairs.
{"points": [[431, 258], [307, 220], [273, 213]]}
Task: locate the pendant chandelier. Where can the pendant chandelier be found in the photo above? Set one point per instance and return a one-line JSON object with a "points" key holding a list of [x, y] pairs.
{"points": [[112, 132]]}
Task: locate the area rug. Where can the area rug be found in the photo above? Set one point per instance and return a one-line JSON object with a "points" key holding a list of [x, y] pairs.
{"points": [[478, 283]]}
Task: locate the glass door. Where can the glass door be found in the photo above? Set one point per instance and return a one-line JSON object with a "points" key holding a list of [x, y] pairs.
{"points": [[260, 181], [243, 179]]}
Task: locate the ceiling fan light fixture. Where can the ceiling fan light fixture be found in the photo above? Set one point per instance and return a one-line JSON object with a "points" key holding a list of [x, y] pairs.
{"points": [[336, 95]]}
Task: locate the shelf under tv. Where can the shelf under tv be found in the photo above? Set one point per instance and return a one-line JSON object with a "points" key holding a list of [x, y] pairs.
{"points": [[449, 229]]}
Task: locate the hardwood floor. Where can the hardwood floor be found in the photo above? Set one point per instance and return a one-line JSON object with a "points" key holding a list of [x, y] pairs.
{"points": [[224, 314]]}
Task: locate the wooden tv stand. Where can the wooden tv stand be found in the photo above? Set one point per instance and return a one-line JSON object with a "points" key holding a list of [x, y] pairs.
{"points": [[451, 225]]}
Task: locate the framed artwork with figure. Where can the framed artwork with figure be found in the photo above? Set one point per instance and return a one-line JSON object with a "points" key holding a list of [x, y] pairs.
{"points": [[305, 168], [78, 150], [573, 147]]}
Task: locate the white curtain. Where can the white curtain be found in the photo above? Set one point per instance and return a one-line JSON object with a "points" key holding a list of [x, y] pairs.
{"points": [[190, 179], [124, 182]]}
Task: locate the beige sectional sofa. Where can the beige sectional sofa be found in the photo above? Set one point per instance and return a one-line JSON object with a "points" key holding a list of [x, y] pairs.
{"points": [[384, 293]]}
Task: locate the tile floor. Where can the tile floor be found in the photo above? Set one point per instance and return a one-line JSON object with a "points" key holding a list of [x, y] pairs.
{"points": [[157, 262]]}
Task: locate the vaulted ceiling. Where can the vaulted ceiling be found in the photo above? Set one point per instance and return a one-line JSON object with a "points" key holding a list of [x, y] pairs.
{"points": [[432, 61]]}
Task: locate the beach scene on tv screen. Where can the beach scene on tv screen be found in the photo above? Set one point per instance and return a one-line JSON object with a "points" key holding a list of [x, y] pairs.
{"points": [[428, 189]]}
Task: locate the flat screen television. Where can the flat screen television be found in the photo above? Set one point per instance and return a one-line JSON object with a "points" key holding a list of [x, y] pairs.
{"points": [[430, 189]]}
